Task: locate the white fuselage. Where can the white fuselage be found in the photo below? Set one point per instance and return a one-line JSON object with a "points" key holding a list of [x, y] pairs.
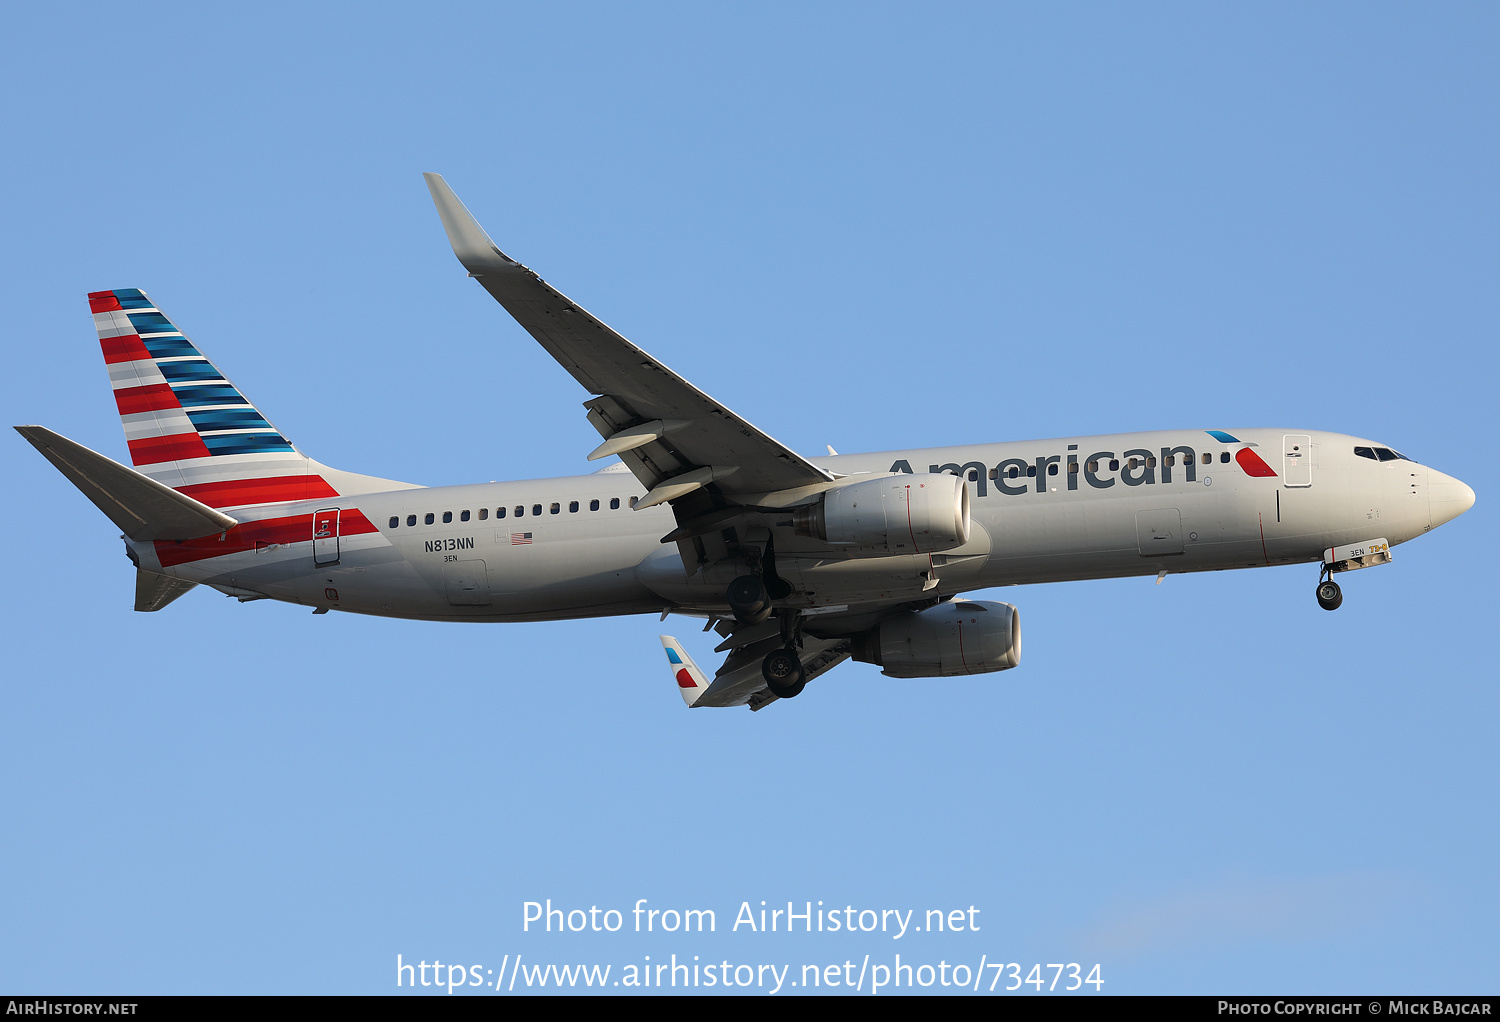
{"points": [[1043, 511]]}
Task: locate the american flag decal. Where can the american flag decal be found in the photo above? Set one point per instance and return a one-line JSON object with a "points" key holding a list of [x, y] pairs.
{"points": [[520, 539]]}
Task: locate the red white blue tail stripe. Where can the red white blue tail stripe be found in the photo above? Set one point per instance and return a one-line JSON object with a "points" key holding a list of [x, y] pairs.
{"points": [[185, 424]]}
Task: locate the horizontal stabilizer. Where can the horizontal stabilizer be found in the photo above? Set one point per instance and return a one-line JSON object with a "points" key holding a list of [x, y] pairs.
{"points": [[153, 591], [143, 508]]}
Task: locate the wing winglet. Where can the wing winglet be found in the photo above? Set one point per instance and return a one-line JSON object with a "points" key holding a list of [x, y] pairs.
{"points": [[691, 681], [472, 246]]}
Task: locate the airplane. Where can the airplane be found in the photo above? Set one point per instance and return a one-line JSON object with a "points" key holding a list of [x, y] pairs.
{"points": [[797, 563]]}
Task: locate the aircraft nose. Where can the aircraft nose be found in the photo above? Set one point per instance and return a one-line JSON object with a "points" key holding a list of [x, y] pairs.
{"points": [[1447, 497]]}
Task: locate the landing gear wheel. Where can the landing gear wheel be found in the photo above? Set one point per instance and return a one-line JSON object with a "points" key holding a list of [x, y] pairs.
{"points": [[748, 600], [782, 669], [1329, 595]]}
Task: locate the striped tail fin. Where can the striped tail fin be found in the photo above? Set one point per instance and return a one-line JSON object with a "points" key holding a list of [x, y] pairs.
{"points": [[188, 427]]}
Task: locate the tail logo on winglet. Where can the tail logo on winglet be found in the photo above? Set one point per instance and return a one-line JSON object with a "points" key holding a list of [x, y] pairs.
{"points": [[690, 680]]}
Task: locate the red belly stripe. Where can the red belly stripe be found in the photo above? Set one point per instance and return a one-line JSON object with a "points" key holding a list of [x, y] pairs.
{"points": [[269, 531]]}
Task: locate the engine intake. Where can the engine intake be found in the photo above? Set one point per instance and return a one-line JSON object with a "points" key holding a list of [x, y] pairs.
{"points": [[961, 637], [902, 514]]}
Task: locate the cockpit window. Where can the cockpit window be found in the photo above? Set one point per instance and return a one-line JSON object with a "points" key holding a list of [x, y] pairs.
{"points": [[1380, 454]]}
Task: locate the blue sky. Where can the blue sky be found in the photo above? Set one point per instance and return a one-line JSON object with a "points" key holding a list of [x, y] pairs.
{"points": [[858, 225]]}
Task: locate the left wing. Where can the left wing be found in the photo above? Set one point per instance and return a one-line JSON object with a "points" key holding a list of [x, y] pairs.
{"points": [[738, 681], [675, 438]]}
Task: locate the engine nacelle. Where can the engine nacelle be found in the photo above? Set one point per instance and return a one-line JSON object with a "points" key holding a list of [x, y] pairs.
{"points": [[902, 514], [961, 637]]}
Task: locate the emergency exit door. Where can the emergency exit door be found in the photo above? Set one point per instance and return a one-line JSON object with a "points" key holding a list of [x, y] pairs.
{"points": [[326, 536]]}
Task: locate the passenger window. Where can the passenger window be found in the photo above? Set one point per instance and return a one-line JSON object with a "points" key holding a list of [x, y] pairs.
{"points": [[556, 507], [447, 517], [1093, 466], [1052, 470], [1030, 471], [1187, 459], [1171, 460], [1150, 462], [484, 513], [1208, 457], [499, 512], [1114, 464], [593, 505], [411, 519], [973, 476], [1223, 457], [573, 507], [1134, 463], [1014, 472], [428, 518], [395, 522], [463, 516], [536, 509], [520, 511], [1072, 468], [614, 503], [632, 502]]}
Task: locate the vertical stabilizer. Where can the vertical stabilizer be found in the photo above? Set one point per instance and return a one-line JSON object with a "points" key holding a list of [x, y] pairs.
{"points": [[190, 428]]}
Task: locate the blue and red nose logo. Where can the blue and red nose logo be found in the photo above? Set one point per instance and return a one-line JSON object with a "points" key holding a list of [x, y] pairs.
{"points": [[1252, 463], [684, 679]]}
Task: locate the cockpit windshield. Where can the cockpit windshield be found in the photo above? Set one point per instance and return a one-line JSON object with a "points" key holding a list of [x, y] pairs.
{"points": [[1380, 454]]}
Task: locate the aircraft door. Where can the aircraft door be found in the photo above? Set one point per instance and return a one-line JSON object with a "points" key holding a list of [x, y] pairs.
{"points": [[467, 583], [326, 537], [1159, 532], [1296, 459]]}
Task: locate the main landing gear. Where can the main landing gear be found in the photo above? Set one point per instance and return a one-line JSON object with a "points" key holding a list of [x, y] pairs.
{"points": [[784, 673], [782, 668], [1330, 596], [749, 600]]}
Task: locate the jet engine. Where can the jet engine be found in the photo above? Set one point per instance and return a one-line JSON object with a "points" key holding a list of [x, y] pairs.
{"points": [[961, 637], [901, 514]]}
